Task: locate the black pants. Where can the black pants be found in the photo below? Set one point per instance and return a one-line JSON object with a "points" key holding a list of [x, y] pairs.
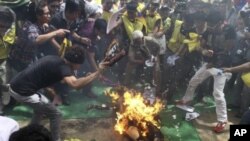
{"points": [[245, 119]]}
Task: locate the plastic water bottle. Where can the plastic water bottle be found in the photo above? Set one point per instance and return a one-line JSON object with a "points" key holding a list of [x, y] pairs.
{"points": [[149, 94]]}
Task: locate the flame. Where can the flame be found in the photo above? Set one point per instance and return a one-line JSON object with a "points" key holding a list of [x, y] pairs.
{"points": [[135, 110]]}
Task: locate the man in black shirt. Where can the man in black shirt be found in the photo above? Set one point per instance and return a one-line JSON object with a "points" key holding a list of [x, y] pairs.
{"points": [[43, 73]]}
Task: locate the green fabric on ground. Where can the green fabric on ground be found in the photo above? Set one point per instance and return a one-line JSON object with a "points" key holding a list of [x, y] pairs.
{"points": [[175, 128], [77, 108]]}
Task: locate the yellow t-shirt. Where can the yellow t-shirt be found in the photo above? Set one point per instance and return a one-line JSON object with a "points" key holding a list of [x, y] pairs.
{"points": [[177, 38], [140, 6], [106, 15], [99, 2], [246, 78], [193, 43], [9, 38], [167, 24], [130, 27]]}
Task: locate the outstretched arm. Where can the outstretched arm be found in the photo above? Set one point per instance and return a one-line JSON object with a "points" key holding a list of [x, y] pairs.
{"points": [[78, 83], [241, 68]]}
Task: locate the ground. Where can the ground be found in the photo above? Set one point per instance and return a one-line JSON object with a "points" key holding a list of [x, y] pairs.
{"points": [[97, 125], [101, 129]]}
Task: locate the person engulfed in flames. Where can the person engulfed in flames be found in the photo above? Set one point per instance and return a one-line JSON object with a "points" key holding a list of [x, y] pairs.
{"points": [[137, 118]]}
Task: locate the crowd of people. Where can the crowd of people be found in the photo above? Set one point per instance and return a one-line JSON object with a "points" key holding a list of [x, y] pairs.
{"points": [[168, 45]]}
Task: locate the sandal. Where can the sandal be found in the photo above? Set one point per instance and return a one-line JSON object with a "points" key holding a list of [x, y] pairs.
{"points": [[220, 127]]}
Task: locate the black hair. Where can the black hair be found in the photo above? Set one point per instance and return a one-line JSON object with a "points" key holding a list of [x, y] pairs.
{"points": [[51, 1], [189, 19], [199, 16], [82, 10], [72, 6], [39, 7], [33, 132], [132, 6], [165, 8], [244, 14], [7, 15], [214, 17], [36, 9], [75, 55], [100, 25]]}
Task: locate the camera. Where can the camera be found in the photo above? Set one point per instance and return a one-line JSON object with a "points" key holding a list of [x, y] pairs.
{"points": [[245, 15]]}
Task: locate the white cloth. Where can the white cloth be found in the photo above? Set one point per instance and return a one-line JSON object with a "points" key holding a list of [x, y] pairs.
{"points": [[35, 98], [219, 82], [92, 8], [8, 126], [171, 59]]}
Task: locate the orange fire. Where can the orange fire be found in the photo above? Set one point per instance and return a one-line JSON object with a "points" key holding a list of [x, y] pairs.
{"points": [[135, 109]]}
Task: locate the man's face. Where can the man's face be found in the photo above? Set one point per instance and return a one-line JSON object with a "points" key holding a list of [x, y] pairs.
{"points": [[54, 7], [131, 15], [73, 16], [45, 17], [138, 41], [108, 5]]}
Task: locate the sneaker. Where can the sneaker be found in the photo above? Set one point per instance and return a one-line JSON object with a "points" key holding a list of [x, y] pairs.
{"points": [[180, 102], [185, 108], [220, 127]]}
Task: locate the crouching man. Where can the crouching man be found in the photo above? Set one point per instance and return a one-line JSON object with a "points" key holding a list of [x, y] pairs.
{"points": [[43, 73]]}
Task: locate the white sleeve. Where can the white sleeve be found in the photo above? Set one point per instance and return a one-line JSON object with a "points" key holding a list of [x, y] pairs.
{"points": [[8, 126]]}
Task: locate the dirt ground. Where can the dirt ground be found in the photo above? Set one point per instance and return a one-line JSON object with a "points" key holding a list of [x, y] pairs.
{"points": [[101, 129], [206, 122]]}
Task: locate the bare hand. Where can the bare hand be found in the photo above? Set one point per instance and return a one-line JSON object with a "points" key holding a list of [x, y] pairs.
{"points": [[86, 41], [61, 32], [226, 69], [45, 26], [208, 53], [103, 65]]}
